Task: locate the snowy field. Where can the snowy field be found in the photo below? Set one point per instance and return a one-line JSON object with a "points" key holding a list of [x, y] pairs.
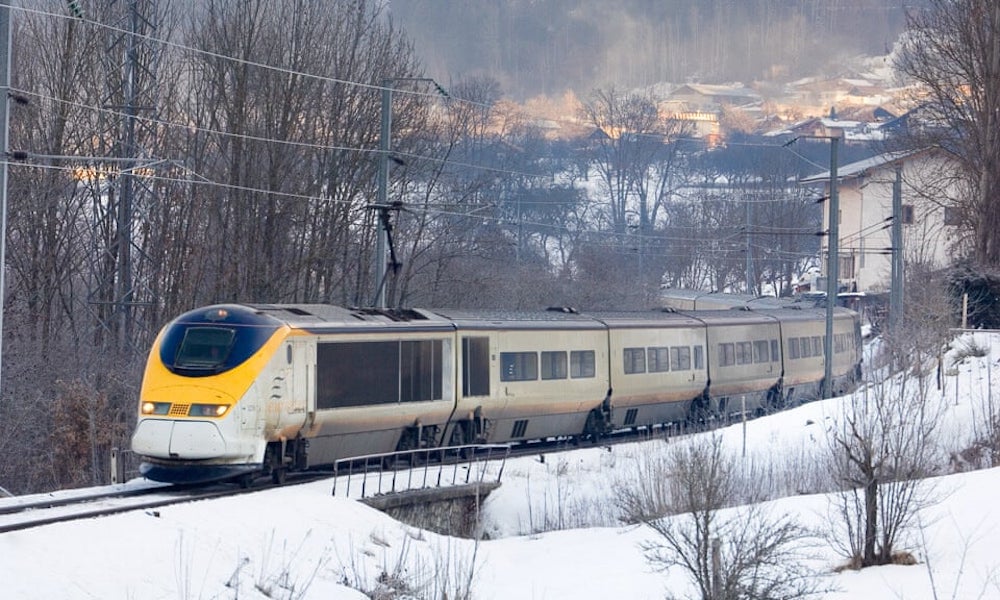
{"points": [[552, 529]]}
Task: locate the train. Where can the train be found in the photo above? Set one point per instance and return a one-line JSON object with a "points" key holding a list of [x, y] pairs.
{"points": [[239, 391]]}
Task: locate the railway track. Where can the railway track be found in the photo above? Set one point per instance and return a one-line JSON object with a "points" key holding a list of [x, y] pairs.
{"points": [[19, 513]]}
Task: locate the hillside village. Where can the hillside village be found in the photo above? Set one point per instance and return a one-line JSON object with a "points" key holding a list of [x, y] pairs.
{"points": [[864, 108]]}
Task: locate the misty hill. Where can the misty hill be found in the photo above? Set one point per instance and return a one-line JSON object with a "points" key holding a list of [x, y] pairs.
{"points": [[545, 47]]}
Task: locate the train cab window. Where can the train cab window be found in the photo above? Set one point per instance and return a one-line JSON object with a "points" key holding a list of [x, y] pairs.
{"points": [[582, 364], [635, 360], [727, 354], [659, 359], [775, 351], [553, 365], [518, 366], [699, 358], [761, 351], [744, 353], [204, 348], [475, 366], [211, 340], [680, 358]]}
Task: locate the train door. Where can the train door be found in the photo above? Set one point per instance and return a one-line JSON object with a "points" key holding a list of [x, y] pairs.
{"points": [[470, 421], [302, 396]]}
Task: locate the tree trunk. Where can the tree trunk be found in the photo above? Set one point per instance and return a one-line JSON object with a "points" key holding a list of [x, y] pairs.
{"points": [[871, 521]]}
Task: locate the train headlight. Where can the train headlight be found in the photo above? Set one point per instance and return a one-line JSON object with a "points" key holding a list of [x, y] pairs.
{"points": [[155, 408], [208, 410]]}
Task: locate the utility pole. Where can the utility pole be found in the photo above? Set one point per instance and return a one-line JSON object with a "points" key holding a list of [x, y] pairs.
{"points": [[832, 268], [382, 205], [746, 201], [896, 278], [4, 148], [383, 193]]}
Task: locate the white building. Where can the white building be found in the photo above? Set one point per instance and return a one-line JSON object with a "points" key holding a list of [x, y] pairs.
{"points": [[865, 191]]}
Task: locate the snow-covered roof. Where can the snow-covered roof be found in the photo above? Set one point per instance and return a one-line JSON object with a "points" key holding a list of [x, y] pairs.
{"points": [[856, 169]]}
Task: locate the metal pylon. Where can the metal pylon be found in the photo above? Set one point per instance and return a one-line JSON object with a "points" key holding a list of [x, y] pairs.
{"points": [[120, 269]]}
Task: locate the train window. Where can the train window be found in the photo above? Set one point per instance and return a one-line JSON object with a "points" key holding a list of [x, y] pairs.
{"points": [[761, 351], [518, 366], [475, 366], [635, 360], [775, 351], [659, 359], [744, 353], [204, 348], [727, 355], [553, 365], [357, 373], [581, 364], [361, 373], [793, 348], [680, 358], [420, 373], [817, 345], [699, 357]]}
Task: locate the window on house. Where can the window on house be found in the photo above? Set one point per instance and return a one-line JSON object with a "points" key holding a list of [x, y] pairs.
{"points": [[846, 266], [907, 214]]}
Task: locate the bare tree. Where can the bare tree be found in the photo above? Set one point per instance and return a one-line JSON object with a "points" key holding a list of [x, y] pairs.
{"points": [[953, 50], [738, 554], [884, 446], [636, 155]]}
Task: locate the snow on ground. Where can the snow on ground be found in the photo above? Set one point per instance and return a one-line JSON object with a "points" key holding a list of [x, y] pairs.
{"points": [[300, 542]]}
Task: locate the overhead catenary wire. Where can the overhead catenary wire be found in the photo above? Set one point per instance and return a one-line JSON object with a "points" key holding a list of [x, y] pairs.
{"points": [[320, 147]]}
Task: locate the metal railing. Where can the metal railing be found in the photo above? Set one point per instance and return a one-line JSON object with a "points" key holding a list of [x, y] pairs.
{"points": [[407, 470]]}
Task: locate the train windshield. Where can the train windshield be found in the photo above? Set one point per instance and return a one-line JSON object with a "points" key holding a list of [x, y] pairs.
{"points": [[204, 348], [213, 340]]}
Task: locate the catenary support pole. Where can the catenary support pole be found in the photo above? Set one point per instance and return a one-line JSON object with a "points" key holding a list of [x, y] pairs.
{"points": [[832, 274]]}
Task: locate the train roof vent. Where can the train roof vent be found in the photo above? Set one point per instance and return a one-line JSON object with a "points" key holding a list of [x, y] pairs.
{"points": [[298, 311], [563, 309], [393, 314]]}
